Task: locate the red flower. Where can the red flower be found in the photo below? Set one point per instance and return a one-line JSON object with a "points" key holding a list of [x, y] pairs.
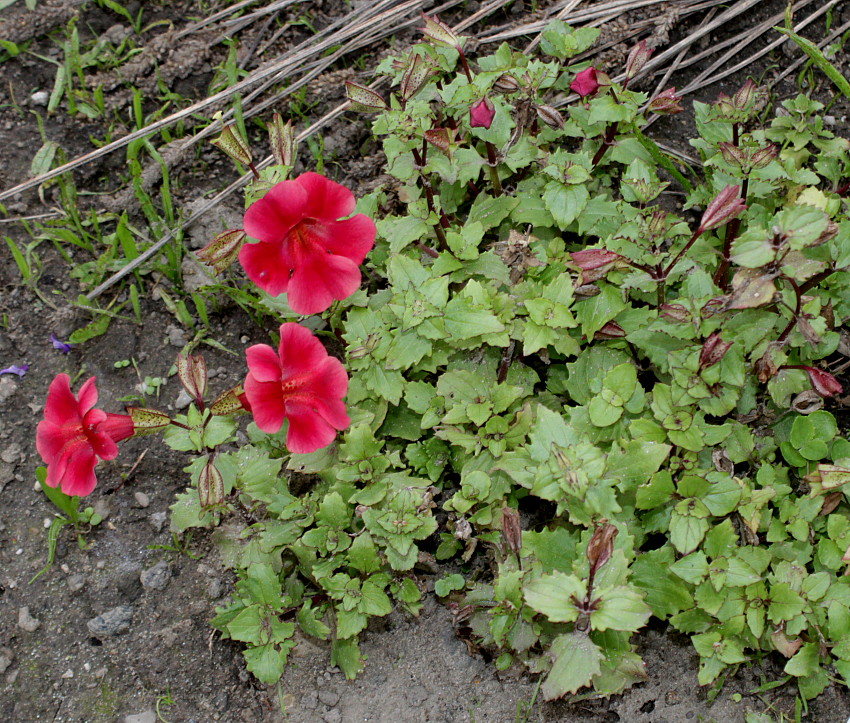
{"points": [[585, 82], [481, 113], [300, 383], [73, 435], [304, 249]]}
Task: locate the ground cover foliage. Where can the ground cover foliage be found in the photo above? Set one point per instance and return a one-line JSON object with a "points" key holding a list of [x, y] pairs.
{"points": [[601, 408], [596, 406]]}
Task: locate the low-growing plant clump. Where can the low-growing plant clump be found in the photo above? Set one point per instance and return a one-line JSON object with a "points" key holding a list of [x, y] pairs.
{"points": [[591, 381]]}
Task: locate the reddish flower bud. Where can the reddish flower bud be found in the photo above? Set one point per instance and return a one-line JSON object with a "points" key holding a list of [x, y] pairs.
{"points": [[282, 141], [222, 250], [593, 263], [638, 57], [713, 350], [762, 156], [745, 95], [586, 82], [732, 154], [675, 312], [234, 145], [823, 382], [666, 103], [481, 113], [725, 206], [601, 546], [440, 139], [611, 330]]}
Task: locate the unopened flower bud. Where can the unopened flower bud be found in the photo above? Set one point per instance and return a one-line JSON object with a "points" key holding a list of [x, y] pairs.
{"points": [[586, 82], [745, 94], [222, 250], [234, 145], [823, 382], [601, 546], [550, 117], [440, 139], [506, 83], [282, 141], [481, 113], [611, 330], [638, 57], [726, 205], [666, 103], [364, 99], [713, 350], [210, 485], [147, 421]]}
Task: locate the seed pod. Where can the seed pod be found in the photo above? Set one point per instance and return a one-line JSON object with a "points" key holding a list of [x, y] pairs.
{"points": [[364, 99], [506, 83], [440, 139], [414, 77], [601, 546], [233, 145], [638, 57], [147, 421], [712, 350], [436, 30], [222, 250], [282, 141], [210, 485], [550, 117], [511, 529], [192, 372]]}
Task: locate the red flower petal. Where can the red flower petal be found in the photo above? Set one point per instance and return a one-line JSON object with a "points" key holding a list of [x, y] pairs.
{"points": [[87, 396], [319, 279], [79, 478], [308, 431], [300, 352], [271, 217], [352, 238], [266, 399], [263, 362], [50, 438], [326, 200], [61, 406], [265, 266]]}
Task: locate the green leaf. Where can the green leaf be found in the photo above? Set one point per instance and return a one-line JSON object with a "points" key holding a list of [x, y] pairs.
{"points": [[373, 600], [346, 655], [565, 203], [595, 312], [576, 660], [817, 57], [785, 604], [665, 594], [620, 608], [550, 595], [805, 661], [266, 662], [447, 584]]}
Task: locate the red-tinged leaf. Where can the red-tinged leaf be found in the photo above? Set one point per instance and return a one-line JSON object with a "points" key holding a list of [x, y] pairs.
{"points": [[750, 288], [713, 350]]}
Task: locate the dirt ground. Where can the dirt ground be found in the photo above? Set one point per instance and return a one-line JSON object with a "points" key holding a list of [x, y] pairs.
{"points": [[155, 656]]}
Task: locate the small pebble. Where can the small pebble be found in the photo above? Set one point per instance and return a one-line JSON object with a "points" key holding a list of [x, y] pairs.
{"points": [[112, 622], [40, 98], [156, 577], [76, 582], [26, 621], [329, 697], [157, 520], [332, 716], [102, 508], [68, 673], [142, 499], [183, 400], [148, 716], [6, 658], [244, 339]]}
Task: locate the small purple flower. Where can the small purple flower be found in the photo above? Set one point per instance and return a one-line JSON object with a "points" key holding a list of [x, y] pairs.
{"points": [[60, 345], [15, 369]]}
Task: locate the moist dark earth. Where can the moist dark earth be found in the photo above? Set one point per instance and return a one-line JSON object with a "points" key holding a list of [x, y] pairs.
{"points": [[156, 657]]}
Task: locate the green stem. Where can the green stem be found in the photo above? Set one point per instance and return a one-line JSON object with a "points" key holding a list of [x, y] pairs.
{"points": [[492, 164]]}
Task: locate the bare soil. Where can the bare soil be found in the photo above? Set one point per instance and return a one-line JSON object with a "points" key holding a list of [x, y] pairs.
{"points": [[169, 664]]}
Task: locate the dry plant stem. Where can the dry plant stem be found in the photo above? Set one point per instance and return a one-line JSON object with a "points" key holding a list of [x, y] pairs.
{"points": [[492, 163], [505, 363], [797, 307]]}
